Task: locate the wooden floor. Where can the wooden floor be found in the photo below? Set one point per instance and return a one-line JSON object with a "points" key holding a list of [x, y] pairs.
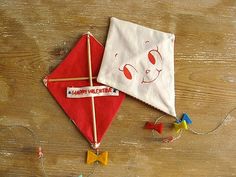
{"points": [[35, 36]]}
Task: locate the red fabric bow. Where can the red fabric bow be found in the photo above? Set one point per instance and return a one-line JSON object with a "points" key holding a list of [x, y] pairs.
{"points": [[158, 127]]}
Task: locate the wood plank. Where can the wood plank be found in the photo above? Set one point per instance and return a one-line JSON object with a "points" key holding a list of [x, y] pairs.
{"points": [[35, 36]]}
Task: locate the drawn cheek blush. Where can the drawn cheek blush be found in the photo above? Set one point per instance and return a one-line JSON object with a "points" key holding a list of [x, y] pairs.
{"points": [[151, 58], [128, 69], [127, 73], [155, 58]]}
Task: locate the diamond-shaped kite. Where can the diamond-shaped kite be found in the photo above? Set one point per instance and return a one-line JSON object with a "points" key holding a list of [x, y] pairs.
{"points": [[139, 61], [89, 104]]}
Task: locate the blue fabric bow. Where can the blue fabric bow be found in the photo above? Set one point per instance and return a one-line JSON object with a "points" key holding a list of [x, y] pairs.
{"points": [[186, 118]]}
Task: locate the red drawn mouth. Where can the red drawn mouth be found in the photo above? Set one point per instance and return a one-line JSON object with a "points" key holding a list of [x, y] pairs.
{"points": [[150, 81]]}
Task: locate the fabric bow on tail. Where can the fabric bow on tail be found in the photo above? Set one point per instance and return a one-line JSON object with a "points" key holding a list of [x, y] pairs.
{"points": [[183, 123], [153, 126], [102, 158]]}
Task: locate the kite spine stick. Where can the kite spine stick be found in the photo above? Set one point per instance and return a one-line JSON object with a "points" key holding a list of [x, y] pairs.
{"points": [[92, 98]]}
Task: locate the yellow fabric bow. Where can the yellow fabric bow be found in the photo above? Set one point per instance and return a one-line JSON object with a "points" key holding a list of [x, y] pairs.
{"points": [[181, 125], [92, 157]]}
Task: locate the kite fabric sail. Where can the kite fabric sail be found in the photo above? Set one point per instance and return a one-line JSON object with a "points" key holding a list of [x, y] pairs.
{"points": [[89, 104], [139, 61]]}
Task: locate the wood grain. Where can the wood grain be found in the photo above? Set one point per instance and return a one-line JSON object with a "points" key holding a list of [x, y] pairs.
{"points": [[35, 36]]}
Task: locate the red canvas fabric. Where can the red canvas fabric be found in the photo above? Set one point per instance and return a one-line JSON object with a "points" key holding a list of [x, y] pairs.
{"points": [[79, 109]]}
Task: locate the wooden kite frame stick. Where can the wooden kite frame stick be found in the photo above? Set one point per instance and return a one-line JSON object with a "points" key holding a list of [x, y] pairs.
{"points": [[92, 98], [70, 79]]}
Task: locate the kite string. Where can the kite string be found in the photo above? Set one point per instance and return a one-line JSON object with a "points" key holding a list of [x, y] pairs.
{"points": [[166, 139], [36, 142], [216, 128]]}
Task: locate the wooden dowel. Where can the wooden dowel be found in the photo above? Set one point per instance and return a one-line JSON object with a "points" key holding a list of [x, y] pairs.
{"points": [[70, 79], [92, 98]]}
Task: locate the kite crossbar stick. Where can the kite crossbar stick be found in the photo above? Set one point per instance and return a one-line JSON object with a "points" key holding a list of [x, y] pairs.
{"points": [[46, 80], [70, 79], [92, 98]]}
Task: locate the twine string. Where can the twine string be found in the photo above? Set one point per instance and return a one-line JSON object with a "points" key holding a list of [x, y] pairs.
{"points": [[36, 142], [168, 138], [179, 135], [216, 128]]}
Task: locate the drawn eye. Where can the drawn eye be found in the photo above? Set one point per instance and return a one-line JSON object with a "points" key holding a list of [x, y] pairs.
{"points": [[127, 70], [151, 57]]}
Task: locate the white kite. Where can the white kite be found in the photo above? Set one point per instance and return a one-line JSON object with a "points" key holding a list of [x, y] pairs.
{"points": [[140, 62]]}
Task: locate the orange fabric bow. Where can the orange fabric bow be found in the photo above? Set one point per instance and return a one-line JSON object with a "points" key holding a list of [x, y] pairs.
{"points": [[102, 158]]}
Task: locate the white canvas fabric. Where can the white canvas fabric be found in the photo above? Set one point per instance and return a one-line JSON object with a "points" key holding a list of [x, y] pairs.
{"points": [[140, 62]]}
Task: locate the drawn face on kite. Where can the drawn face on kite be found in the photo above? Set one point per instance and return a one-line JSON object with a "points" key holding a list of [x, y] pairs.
{"points": [[150, 70]]}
